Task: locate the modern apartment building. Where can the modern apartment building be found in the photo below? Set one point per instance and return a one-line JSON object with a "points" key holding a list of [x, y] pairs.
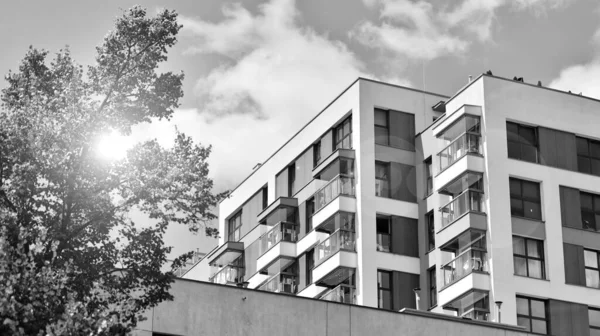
{"points": [[486, 199]]}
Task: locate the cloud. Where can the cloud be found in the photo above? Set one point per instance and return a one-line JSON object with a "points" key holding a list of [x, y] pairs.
{"points": [[583, 78], [419, 31]]}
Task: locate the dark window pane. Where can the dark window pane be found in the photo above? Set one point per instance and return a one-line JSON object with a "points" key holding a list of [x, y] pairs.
{"points": [[515, 187], [532, 210], [527, 135], [380, 117], [512, 131], [582, 146], [538, 326], [522, 306], [519, 245], [587, 201], [584, 165], [383, 242], [383, 225], [384, 279], [381, 136], [531, 190], [528, 153], [524, 322], [595, 169], [385, 300], [520, 266], [588, 220], [538, 309], [516, 207], [514, 150], [595, 149]]}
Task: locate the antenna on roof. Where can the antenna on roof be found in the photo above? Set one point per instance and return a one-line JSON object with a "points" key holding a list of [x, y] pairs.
{"points": [[470, 78], [539, 83]]}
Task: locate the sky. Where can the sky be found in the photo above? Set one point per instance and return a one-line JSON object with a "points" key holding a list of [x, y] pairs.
{"points": [[257, 71]]}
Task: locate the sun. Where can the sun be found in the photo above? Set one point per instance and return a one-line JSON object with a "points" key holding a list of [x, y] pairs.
{"points": [[113, 146]]}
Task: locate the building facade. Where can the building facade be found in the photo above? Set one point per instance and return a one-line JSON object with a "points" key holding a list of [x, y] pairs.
{"points": [[486, 199]]}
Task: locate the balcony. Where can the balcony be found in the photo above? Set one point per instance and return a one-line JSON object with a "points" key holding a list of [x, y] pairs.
{"points": [[225, 254], [228, 275], [280, 241], [469, 201], [342, 294], [340, 185], [473, 304], [468, 143], [338, 241], [468, 262], [281, 283]]}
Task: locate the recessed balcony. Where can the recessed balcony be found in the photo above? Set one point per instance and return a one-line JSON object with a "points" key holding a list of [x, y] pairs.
{"points": [[343, 293], [338, 186], [473, 304], [472, 260], [335, 259], [225, 254], [281, 283], [470, 220], [468, 201], [468, 143]]}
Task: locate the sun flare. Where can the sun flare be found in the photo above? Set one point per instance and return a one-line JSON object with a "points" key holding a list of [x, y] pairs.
{"points": [[113, 146]]}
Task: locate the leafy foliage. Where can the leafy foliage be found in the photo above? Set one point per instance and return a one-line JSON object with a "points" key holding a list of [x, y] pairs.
{"points": [[72, 261]]}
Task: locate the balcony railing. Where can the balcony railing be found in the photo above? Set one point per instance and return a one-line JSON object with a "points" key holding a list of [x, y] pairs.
{"points": [[466, 143], [281, 283], [469, 200], [340, 185], [342, 293], [282, 231], [228, 274], [339, 240], [463, 265]]}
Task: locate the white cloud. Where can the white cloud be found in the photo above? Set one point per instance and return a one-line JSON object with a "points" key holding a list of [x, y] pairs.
{"points": [[417, 30], [583, 78]]}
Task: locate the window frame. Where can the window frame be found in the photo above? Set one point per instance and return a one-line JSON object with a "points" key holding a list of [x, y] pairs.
{"points": [[527, 257], [595, 327], [524, 199], [592, 212], [316, 153], [339, 142], [386, 179], [378, 234], [530, 317], [430, 220], [235, 229], [291, 179], [521, 143], [432, 283], [587, 156], [386, 127], [593, 269], [381, 289], [428, 176]]}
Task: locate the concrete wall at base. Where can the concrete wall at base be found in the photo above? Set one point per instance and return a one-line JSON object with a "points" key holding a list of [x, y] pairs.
{"points": [[207, 309]]}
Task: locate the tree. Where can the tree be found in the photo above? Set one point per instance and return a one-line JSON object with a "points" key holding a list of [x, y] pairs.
{"points": [[72, 261]]}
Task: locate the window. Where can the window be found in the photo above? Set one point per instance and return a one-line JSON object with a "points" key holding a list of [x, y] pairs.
{"points": [[291, 179], [525, 199], [316, 153], [432, 287], [384, 289], [265, 197], [310, 210], [382, 179], [310, 264], [594, 317], [382, 129], [428, 177], [429, 220], [588, 156], [528, 257], [592, 268], [235, 227], [384, 234], [522, 142], [590, 211], [531, 314], [342, 135]]}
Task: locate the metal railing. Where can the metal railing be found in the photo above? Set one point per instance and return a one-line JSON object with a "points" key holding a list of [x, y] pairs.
{"points": [[281, 283], [340, 185], [339, 240], [228, 274], [469, 200], [282, 231], [342, 293], [466, 143], [463, 265]]}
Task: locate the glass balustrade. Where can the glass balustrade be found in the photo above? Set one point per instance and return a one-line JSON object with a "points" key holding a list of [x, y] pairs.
{"points": [[283, 231], [342, 293], [467, 143], [339, 240], [463, 265], [469, 200], [281, 283], [340, 185], [228, 274]]}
